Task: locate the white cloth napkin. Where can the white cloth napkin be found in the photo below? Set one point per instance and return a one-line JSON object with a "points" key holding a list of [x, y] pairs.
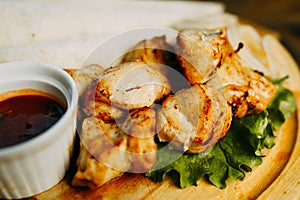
{"points": [[63, 32]]}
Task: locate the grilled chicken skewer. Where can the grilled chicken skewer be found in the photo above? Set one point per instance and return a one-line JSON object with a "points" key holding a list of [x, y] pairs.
{"points": [[141, 147], [194, 119], [119, 92], [91, 105], [246, 90], [131, 85], [85, 76], [102, 154], [122, 125], [153, 51], [108, 149], [159, 54], [200, 53]]}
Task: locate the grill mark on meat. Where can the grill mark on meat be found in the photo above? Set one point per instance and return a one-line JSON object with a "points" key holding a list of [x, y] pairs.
{"points": [[240, 46], [134, 88]]}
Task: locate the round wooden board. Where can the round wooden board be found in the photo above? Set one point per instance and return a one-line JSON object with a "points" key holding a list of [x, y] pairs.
{"points": [[277, 178], [264, 179]]}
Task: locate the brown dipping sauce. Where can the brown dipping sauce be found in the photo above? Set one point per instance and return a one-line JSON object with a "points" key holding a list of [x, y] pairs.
{"points": [[25, 116]]}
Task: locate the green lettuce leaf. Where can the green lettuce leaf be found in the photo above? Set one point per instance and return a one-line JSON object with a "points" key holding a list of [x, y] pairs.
{"points": [[282, 106], [239, 152]]}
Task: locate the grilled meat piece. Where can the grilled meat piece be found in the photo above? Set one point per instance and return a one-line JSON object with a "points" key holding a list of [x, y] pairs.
{"points": [[194, 119], [131, 85], [90, 105], [140, 128], [160, 55], [200, 53], [247, 91], [84, 77], [209, 58], [152, 51], [108, 149], [102, 156]]}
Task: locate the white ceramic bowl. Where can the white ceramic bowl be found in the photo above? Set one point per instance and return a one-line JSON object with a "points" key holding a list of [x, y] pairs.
{"points": [[33, 166]]}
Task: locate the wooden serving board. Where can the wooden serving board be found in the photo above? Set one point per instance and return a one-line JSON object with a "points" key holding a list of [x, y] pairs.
{"points": [[264, 179], [277, 178]]}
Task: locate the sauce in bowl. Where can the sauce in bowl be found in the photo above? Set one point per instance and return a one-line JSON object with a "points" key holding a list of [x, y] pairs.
{"points": [[25, 116]]}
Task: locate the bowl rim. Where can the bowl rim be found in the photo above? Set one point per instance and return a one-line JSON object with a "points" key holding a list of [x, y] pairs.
{"points": [[47, 137]]}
